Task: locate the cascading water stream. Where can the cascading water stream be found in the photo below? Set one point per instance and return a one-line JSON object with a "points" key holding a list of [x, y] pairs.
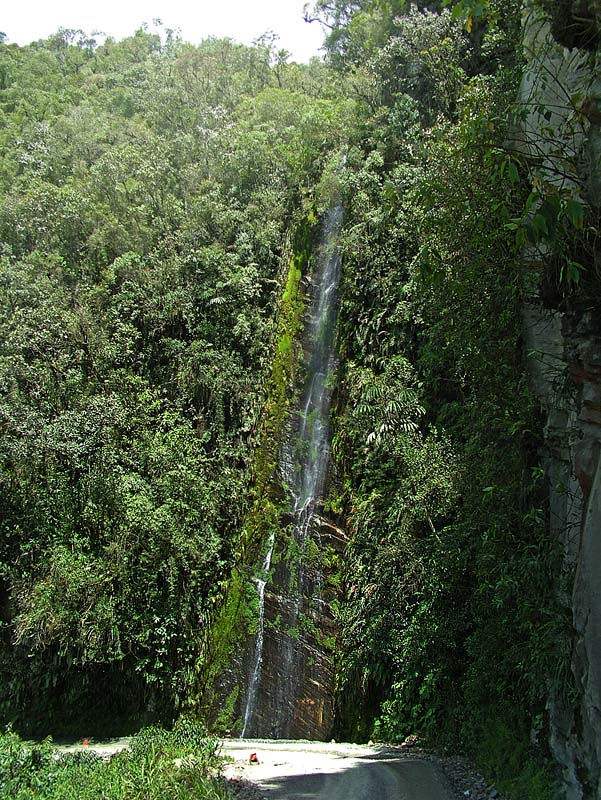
{"points": [[304, 471], [255, 677], [313, 440]]}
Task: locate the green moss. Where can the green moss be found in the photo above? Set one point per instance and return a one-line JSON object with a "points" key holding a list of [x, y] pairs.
{"points": [[279, 388], [236, 617], [307, 625], [285, 345], [226, 720], [274, 625], [312, 554]]}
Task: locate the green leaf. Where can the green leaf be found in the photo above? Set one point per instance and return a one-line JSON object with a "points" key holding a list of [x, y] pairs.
{"points": [[539, 225], [458, 10], [575, 213], [573, 270]]}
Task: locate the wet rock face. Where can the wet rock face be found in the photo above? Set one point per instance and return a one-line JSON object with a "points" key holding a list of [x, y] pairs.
{"points": [[295, 691], [289, 686], [566, 375]]}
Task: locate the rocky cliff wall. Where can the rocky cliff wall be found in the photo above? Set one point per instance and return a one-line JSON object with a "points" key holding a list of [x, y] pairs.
{"points": [[565, 359], [562, 91], [298, 705]]}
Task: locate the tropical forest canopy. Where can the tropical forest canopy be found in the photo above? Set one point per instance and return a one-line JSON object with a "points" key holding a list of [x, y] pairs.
{"points": [[149, 189]]}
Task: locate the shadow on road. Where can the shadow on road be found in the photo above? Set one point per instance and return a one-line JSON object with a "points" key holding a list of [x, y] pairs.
{"points": [[377, 777]]}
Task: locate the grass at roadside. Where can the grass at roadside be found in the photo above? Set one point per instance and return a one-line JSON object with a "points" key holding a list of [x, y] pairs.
{"points": [[181, 764]]}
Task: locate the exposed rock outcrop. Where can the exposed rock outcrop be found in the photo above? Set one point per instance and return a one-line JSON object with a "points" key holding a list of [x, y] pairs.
{"points": [[301, 705], [565, 360], [562, 91], [289, 691]]}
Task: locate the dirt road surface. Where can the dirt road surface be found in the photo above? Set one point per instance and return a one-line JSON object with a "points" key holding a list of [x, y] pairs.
{"points": [[318, 771]]}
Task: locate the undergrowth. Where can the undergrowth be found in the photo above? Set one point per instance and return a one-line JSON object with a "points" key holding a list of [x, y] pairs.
{"points": [[160, 765]]}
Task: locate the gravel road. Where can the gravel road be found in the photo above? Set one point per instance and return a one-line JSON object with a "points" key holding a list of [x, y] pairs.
{"points": [[298, 770], [318, 771]]}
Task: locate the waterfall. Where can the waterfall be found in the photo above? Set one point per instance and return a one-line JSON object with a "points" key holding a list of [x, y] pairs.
{"points": [[303, 467], [255, 676], [313, 443]]}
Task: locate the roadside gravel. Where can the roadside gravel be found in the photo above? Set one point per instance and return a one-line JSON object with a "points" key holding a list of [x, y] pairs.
{"points": [[297, 770], [251, 782], [466, 782]]}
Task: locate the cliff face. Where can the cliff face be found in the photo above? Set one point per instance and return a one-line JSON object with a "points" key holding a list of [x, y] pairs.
{"points": [[288, 688], [563, 341], [566, 374], [297, 702]]}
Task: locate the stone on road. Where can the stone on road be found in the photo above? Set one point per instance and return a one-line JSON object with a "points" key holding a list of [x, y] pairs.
{"points": [[319, 771]]}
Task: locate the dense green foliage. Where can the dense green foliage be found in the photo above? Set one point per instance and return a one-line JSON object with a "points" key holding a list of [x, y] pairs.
{"points": [[155, 201], [451, 627], [147, 190], [166, 765]]}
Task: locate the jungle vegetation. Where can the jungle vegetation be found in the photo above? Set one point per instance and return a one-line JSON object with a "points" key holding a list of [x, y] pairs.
{"points": [[148, 190]]}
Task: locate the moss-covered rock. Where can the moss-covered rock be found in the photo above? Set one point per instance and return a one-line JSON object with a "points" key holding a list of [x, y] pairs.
{"points": [[219, 673]]}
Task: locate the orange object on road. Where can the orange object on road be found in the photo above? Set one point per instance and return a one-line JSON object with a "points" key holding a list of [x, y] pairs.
{"points": [[253, 758]]}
